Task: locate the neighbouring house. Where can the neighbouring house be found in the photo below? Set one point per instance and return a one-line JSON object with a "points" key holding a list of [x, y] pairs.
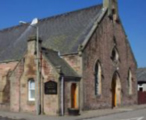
{"points": [[85, 63], [141, 81]]}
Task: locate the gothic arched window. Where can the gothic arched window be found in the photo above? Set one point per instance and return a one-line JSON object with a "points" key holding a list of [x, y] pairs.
{"points": [[98, 78], [130, 89], [115, 55]]}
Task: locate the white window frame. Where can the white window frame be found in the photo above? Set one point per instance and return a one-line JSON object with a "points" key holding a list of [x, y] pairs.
{"points": [[29, 90]]}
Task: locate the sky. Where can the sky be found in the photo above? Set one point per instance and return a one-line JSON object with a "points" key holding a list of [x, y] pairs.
{"points": [[132, 14]]}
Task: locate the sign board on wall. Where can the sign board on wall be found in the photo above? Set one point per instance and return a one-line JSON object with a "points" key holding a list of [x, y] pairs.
{"points": [[50, 87]]}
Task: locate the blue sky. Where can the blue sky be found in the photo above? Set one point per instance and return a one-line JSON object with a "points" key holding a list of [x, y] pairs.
{"points": [[132, 13]]}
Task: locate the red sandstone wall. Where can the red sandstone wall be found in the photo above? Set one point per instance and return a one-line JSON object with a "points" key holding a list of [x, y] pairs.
{"points": [[75, 61], [19, 87], [99, 48], [5, 69], [19, 84], [28, 73], [15, 88], [50, 102], [25, 70]]}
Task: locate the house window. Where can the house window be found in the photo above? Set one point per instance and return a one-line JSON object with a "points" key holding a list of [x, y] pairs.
{"points": [[98, 77], [31, 90], [141, 89], [115, 55], [130, 82]]}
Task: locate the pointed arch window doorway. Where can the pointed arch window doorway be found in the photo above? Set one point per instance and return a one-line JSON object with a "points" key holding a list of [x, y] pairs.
{"points": [[116, 90], [115, 55], [130, 82], [98, 78]]}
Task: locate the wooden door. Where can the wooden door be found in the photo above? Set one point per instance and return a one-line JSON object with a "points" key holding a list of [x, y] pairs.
{"points": [[73, 96], [114, 96]]}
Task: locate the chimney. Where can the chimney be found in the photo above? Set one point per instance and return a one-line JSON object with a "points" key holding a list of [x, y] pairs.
{"points": [[31, 44], [112, 6], [106, 3]]}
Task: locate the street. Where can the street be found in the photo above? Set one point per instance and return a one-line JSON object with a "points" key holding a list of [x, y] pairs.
{"points": [[132, 115], [6, 118]]}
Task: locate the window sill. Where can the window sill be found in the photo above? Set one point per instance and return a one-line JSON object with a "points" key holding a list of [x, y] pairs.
{"points": [[31, 102], [98, 96]]}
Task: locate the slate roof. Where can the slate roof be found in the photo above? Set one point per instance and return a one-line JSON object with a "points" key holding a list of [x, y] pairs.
{"points": [[141, 74], [58, 62], [63, 33]]}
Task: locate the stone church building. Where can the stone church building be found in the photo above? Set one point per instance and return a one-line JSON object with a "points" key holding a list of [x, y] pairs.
{"points": [[85, 62]]}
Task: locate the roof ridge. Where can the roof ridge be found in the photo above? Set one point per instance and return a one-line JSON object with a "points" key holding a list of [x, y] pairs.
{"points": [[13, 27], [51, 17]]}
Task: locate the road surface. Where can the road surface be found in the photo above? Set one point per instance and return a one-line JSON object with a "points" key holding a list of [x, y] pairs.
{"points": [[131, 115], [5, 118]]}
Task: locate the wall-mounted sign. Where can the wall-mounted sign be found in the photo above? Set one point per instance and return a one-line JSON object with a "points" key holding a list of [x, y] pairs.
{"points": [[50, 87]]}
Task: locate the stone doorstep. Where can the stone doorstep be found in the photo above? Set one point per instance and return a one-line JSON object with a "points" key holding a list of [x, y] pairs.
{"points": [[84, 115]]}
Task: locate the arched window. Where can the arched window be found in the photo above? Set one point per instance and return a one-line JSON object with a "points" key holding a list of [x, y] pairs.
{"points": [[115, 55], [98, 77], [130, 91], [31, 90]]}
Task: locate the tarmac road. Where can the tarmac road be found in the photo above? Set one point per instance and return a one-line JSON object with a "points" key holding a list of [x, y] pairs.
{"points": [[132, 115], [5, 118]]}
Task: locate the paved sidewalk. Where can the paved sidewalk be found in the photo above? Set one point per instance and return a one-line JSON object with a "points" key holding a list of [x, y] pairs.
{"points": [[85, 114]]}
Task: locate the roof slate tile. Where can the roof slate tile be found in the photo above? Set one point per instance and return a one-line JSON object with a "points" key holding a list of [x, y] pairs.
{"points": [[63, 33]]}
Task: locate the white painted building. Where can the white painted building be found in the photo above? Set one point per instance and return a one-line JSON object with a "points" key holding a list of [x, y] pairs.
{"points": [[141, 78]]}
